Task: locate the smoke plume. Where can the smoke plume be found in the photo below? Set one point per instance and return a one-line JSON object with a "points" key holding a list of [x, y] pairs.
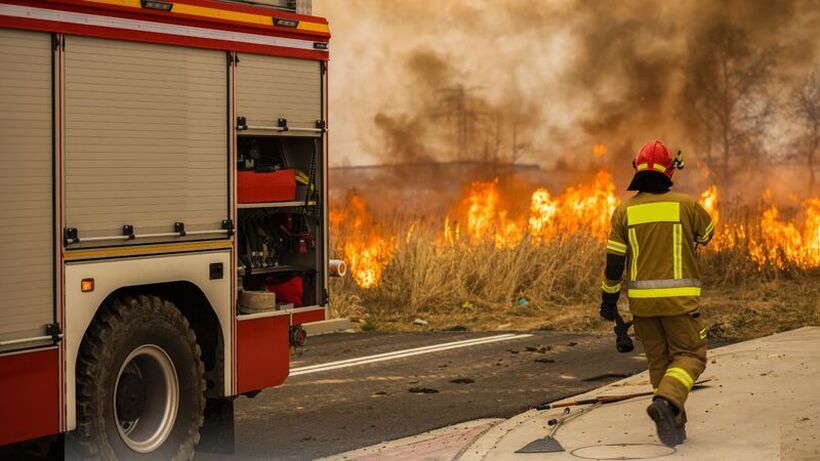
{"points": [[430, 79]]}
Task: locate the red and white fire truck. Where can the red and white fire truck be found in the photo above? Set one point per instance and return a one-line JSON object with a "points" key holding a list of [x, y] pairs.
{"points": [[160, 162]]}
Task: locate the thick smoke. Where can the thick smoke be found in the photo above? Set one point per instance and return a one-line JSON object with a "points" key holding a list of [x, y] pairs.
{"points": [[545, 81]]}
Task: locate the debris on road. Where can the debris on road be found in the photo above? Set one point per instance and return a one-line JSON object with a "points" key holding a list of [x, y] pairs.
{"points": [[422, 390], [541, 349], [606, 377]]}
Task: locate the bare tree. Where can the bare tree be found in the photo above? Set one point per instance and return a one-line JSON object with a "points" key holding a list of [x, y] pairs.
{"points": [[806, 109], [725, 92]]}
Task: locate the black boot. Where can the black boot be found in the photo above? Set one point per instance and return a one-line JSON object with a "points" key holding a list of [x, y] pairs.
{"points": [[681, 427], [663, 413]]}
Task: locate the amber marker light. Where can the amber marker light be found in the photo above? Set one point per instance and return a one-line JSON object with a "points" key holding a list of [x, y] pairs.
{"points": [[157, 5], [87, 285]]}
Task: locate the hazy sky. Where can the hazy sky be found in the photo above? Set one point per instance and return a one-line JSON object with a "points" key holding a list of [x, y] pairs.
{"points": [[567, 74]]}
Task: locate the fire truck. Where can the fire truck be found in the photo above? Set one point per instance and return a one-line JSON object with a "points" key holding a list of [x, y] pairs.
{"points": [[163, 214]]}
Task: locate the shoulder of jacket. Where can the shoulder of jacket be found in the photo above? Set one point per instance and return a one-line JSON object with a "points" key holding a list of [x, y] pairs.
{"points": [[684, 199]]}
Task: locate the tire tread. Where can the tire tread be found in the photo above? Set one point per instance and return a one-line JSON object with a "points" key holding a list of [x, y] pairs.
{"points": [[94, 350]]}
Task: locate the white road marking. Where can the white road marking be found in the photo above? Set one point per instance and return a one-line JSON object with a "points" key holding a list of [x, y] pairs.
{"points": [[404, 353]]}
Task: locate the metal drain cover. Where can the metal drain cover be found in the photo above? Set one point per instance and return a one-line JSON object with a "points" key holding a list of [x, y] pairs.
{"points": [[623, 451]]}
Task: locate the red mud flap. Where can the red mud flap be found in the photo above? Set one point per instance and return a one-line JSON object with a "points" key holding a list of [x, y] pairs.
{"points": [[263, 353], [29, 399]]}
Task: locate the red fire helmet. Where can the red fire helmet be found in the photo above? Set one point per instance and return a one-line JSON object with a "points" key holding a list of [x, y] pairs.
{"points": [[656, 157]]}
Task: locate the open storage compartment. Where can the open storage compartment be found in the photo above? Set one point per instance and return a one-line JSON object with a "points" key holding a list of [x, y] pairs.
{"points": [[280, 242]]}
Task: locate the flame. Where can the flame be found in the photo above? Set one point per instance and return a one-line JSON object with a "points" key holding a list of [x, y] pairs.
{"points": [[482, 210], [584, 208], [769, 239], [366, 247], [709, 201], [487, 214], [788, 243], [543, 209]]}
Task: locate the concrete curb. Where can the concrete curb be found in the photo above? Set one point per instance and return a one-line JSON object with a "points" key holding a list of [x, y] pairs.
{"points": [[324, 327]]}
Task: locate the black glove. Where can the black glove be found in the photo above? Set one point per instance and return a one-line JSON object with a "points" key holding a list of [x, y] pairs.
{"points": [[609, 309]]}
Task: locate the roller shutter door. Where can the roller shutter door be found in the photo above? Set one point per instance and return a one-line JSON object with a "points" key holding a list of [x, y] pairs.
{"points": [[269, 88], [146, 138], [26, 195]]}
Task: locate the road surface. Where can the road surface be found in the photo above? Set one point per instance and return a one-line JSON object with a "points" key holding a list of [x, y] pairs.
{"points": [[346, 406]]}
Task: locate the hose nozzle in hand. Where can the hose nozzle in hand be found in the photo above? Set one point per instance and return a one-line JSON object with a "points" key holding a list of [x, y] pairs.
{"points": [[622, 340]]}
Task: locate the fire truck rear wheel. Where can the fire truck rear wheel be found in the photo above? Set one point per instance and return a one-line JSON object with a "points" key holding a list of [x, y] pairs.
{"points": [[140, 384]]}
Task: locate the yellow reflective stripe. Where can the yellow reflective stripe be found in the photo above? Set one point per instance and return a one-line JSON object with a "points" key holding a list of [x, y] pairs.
{"points": [[709, 228], [681, 375], [677, 245], [611, 289], [707, 233], [642, 166], [660, 168], [653, 212], [662, 292], [633, 242], [616, 247]]}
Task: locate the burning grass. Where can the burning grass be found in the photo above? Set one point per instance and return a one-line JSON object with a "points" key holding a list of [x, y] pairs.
{"points": [[538, 265]]}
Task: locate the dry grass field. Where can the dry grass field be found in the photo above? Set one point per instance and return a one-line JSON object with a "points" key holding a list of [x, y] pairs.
{"points": [[761, 273]]}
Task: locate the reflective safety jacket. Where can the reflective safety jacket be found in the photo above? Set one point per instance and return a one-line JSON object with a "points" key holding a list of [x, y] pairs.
{"points": [[657, 233]]}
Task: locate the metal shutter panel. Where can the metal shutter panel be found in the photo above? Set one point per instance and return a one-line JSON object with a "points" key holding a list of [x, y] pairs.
{"points": [[269, 88], [146, 137], [26, 195]]}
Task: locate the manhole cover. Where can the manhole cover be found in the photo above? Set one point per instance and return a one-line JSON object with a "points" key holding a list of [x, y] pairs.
{"points": [[623, 451]]}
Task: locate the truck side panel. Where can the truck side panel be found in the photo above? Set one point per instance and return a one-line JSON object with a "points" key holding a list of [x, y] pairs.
{"points": [[146, 140], [270, 88], [26, 193]]}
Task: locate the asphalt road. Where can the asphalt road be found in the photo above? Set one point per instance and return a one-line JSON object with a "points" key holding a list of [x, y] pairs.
{"points": [[329, 412]]}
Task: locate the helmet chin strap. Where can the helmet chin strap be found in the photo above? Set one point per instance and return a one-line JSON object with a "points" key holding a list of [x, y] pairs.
{"points": [[678, 162]]}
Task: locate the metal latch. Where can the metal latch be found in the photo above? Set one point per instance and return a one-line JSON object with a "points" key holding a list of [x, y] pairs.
{"points": [[71, 235], [54, 330]]}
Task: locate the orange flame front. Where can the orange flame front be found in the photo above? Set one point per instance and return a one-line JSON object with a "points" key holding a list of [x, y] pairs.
{"points": [[769, 239], [366, 245], [584, 208], [485, 215]]}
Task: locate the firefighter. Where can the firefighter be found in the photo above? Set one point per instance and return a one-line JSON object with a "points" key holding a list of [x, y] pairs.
{"points": [[653, 238]]}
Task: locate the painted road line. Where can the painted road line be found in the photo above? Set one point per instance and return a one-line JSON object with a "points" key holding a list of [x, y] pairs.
{"points": [[404, 353]]}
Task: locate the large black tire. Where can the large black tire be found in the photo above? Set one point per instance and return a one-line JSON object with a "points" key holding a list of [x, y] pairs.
{"points": [[125, 326]]}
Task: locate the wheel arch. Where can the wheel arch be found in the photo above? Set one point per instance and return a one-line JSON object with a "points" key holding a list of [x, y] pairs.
{"points": [[194, 305], [183, 279]]}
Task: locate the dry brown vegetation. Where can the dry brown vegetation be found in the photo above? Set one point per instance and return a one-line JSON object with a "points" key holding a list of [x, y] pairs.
{"points": [[480, 287]]}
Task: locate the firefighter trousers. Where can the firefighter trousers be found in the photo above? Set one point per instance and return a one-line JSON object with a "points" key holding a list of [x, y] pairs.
{"points": [[675, 347]]}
